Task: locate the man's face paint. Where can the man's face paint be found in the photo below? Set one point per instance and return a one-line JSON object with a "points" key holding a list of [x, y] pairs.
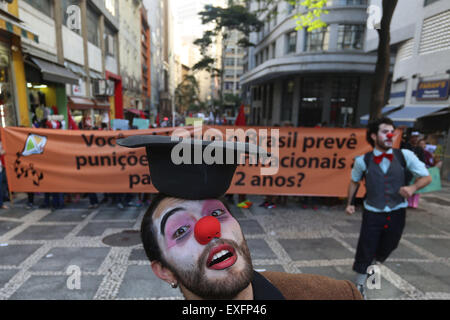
{"points": [[219, 267], [385, 137]]}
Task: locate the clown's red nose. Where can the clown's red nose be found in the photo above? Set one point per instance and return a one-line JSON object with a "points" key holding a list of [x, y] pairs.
{"points": [[390, 135], [206, 229]]}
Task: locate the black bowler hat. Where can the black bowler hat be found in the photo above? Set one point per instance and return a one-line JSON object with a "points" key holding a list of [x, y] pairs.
{"points": [[194, 178]]}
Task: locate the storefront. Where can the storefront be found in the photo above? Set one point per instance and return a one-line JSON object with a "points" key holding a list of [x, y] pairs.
{"points": [[89, 113], [13, 91], [116, 101], [8, 115], [46, 89]]}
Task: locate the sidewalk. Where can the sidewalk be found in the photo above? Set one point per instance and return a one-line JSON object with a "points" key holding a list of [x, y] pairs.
{"points": [[40, 250]]}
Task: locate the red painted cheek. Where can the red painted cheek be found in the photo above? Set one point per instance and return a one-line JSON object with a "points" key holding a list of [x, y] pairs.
{"points": [[206, 229]]}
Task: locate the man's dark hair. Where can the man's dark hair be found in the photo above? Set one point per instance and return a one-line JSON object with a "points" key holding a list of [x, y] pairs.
{"points": [[374, 126], [149, 231]]}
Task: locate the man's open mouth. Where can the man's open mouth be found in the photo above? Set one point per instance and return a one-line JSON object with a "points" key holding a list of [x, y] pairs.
{"points": [[221, 257]]}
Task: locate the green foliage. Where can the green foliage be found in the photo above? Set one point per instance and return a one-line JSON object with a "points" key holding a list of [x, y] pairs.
{"points": [[186, 93], [311, 19]]}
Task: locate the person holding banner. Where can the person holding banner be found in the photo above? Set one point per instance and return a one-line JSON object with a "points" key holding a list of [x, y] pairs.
{"points": [[2, 174], [195, 244], [386, 172]]}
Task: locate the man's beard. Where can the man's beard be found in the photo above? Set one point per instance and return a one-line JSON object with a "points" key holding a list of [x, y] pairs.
{"points": [[195, 279], [381, 144]]}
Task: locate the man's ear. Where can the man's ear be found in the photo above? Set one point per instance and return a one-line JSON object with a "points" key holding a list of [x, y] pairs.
{"points": [[374, 137], [162, 272]]}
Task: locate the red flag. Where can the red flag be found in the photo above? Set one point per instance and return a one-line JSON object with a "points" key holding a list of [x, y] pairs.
{"points": [[240, 119], [72, 124]]}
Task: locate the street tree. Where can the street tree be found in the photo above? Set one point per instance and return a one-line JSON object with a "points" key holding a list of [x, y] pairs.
{"points": [[187, 94], [238, 17]]}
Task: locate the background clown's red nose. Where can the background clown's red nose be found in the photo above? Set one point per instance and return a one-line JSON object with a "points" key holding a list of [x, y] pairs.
{"points": [[390, 135], [206, 229]]}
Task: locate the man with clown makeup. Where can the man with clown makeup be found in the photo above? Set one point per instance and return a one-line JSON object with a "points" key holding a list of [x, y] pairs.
{"points": [[387, 174], [195, 244]]}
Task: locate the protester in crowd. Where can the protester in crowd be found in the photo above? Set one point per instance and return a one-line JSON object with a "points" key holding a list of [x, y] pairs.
{"points": [[2, 173], [429, 157], [413, 145], [269, 202], [57, 197], [385, 171]]}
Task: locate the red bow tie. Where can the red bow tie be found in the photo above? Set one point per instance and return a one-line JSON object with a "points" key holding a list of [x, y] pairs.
{"points": [[378, 159]]}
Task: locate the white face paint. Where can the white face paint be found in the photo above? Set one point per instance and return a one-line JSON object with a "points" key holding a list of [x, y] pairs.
{"points": [[385, 137], [221, 262]]}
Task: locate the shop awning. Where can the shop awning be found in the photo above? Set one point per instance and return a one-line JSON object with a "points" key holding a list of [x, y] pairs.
{"points": [[102, 104], [95, 75], [54, 72], [80, 103], [409, 114], [386, 110], [14, 25], [136, 112], [75, 68]]}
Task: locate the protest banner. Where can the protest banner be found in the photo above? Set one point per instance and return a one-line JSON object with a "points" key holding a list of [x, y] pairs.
{"points": [[309, 161]]}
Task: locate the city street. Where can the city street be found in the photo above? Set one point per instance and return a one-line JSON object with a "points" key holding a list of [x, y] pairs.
{"points": [[41, 250]]}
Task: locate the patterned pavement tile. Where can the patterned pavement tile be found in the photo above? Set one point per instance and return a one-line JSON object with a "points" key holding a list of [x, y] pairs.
{"points": [[44, 232], [59, 259], [55, 287], [15, 254], [314, 249]]}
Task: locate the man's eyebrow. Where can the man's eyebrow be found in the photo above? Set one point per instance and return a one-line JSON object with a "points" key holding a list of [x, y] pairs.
{"points": [[166, 216]]}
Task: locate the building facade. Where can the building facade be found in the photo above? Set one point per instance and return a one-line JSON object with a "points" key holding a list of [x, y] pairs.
{"points": [[146, 58], [130, 55], [233, 69], [420, 40], [309, 78], [64, 62]]}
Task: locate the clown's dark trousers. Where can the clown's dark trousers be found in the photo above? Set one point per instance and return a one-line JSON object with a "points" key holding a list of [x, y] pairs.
{"points": [[380, 235]]}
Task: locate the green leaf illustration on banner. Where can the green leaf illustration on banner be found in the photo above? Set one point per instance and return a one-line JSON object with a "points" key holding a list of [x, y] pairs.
{"points": [[34, 145]]}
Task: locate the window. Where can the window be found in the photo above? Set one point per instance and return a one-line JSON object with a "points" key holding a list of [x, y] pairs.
{"points": [[344, 100], [229, 61], [288, 99], [44, 6], [273, 48], [66, 4], [350, 36], [273, 18], [228, 85], [435, 34], [291, 41], [317, 40], [311, 102], [92, 19], [110, 46], [428, 2]]}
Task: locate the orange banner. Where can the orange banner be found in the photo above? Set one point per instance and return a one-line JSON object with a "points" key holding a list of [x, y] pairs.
{"points": [[310, 161]]}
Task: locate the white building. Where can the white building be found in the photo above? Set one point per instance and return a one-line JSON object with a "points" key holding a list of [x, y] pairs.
{"points": [[308, 78], [420, 41]]}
